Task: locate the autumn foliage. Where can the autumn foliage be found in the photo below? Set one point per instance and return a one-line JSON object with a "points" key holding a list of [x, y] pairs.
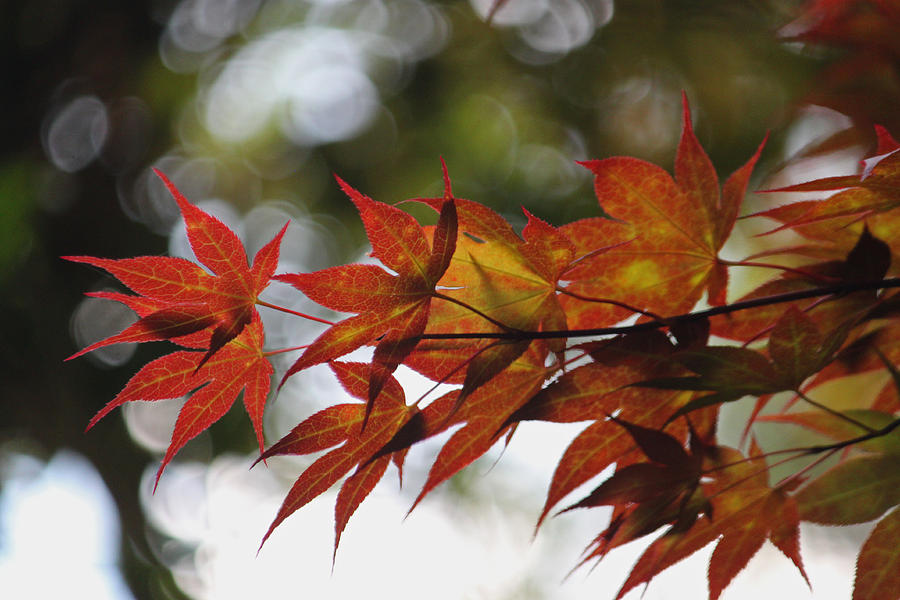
{"points": [[586, 322]]}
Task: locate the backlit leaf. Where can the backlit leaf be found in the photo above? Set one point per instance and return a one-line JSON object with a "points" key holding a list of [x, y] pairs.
{"points": [[392, 309], [239, 365], [878, 565], [360, 444], [855, 491], [190, 299], [676, 227]]}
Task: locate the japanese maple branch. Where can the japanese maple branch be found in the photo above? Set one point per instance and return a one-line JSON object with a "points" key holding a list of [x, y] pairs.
{"points": [[827, 450], [800, 452], [765, 470], [766, 330], [841, 288], [877, 433]]}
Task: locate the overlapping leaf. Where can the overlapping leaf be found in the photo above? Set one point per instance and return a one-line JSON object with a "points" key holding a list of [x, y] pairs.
{"points": [[180, 301], [475, 309], [833, 225], [511, 283], [238, 366], [859, 489], [186, 298], [878, 564], [484, 413], [738, 509], [343, 424], [673, 475], [392, 309], [592, 392], [873, 191], [674, 229], [796, 348], [867, 260]]}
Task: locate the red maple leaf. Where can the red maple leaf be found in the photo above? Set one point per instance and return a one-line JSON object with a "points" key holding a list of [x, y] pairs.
{"points": [[342, 425], [180, 301], [239, 365], [740, 511], [872, 192], [392, 309], [496, 281], [670, 232], [188, 298], [494, 311]]}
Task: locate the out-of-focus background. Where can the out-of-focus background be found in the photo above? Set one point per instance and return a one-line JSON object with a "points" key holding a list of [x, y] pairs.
{"points": [[250, 106]]}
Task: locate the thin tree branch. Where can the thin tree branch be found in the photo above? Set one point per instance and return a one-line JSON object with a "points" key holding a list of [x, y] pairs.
{"points": [[837, 289], [862, 438]]}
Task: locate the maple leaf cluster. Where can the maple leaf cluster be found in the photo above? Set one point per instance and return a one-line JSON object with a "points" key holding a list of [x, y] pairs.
{"points": [[860, 80], [529, 326]]}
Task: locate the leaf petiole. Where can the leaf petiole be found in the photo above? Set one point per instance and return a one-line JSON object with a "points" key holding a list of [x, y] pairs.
{"points": [[269, 353], [628, 307], [491, 320], [293, 312], [835, 413], [786, 269]]}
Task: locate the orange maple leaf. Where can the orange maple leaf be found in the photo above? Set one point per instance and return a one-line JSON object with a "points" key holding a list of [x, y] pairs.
{"points": [[670, 231]]}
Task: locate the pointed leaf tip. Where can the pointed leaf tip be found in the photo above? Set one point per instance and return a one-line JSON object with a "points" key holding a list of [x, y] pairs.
{"points": [[685, 110], [179, 198], [886, 142], [448, 191], [355, 195]]}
